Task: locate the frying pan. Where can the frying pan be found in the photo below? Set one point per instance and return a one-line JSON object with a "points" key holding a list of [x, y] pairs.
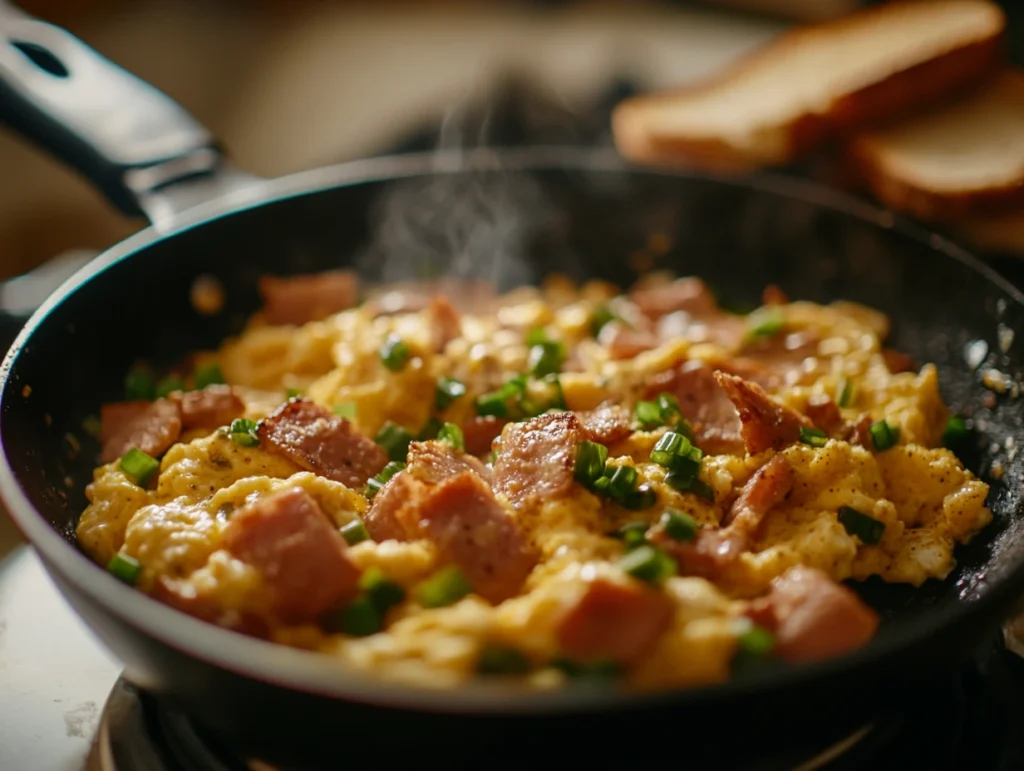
{"points": [[512, 216]]}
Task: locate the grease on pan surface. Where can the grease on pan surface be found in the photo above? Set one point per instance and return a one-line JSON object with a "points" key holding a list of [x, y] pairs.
{"points": [[440, 483]]}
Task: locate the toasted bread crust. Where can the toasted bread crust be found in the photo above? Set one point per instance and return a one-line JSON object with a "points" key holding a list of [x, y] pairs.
{"points": [[919, 86]]}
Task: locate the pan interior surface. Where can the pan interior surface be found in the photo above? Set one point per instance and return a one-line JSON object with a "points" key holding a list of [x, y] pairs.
{"points": [[515, 225]]}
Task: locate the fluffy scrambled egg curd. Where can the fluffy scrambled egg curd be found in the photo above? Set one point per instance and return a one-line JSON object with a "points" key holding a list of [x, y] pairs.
{"points": [[434, 483]]}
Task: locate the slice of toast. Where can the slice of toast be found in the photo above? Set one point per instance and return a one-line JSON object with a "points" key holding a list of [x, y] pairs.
{"points": [[955, 162], [816, 82]]}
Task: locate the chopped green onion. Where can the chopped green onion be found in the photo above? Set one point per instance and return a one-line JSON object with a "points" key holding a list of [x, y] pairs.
{"points": [[168, 386], [678, 525], [648, 563], [589, 464], [384, 593], [883, 435], [346, 410], [868, 529], [125, 568], [594, 670], [394, 353], [494, 404], [601, 485], [668, 404], [537, 336], [445, 587], [633, 534], [558, 403], [138, 466], [208, 375], [643, 497], [815, 437], [139, 385], [668, 448], [395, 440], [846, 393], [361, 618], [546, 358], [621, 483], [430, 430], [452, 435], [502, 660], [690, 484], [956, 431], [756, 640], [243, 432], [291, 393], [446, 391], [354, 532], [765, 322], [602, 315], [648, 414], [374, 485]]}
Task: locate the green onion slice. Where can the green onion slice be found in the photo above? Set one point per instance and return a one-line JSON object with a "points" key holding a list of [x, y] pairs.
{"points": [[621, 482], [602, 315], [868, 529], [846, 393], [633, 534], [648, 563], [361, 618], [138, 466], [884, 436], [589, 464], [956, 431], [502, 660], [395, 440], [765, 322], [648, 414], [384, 592], [354, 532], [815, 437], [169, 385], [346, 410], [452, 435], [208, 375], [446, 391], [394, 353], [374, 485], [139, 385], [546, 358], [125, 568], [445, 587], [243, 432], [678, 525]]}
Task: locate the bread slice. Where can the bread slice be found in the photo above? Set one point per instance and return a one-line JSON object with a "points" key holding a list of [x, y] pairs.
{"points": [[958, 161], [815, 82]]}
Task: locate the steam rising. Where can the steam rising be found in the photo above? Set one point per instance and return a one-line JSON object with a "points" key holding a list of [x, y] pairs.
{"points": [[471, 225]]}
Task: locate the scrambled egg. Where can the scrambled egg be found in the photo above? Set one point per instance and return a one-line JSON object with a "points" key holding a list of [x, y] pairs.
{"points": [[927, 501]]}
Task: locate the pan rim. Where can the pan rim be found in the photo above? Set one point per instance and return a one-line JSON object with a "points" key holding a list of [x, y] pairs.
{"points": [[318, 674]]}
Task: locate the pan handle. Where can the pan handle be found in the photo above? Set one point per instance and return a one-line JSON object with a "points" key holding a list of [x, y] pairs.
{"points": [[144, 151]]}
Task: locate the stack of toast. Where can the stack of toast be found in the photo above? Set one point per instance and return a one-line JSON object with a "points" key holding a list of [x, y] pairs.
{"points": [[913, 99]]}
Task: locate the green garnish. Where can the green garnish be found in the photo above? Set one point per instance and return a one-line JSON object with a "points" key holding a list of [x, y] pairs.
{"points": [[589, 464], [502, 660], [690, 484], [621, 483], [125, 568], [445, 587], [452, 435], [648, 414], [496, 402], [815, 437], [765, 322], [602, 315], [633, 534], [361, 618], [753, 648], [208, 375], [374, 485], [643, 497], [346, 410], [354, 532], [546, 358], [846, 393], [168, 386], [536, 336], [291, 393], [243, 432], [648, 563], [93, 426], [138, 466], [430, 430], [883, 435], [139, 385], [446, 391], [678, 525], [956, 431], [395, 441], [394, 353], [868, 529], [384, 593]]}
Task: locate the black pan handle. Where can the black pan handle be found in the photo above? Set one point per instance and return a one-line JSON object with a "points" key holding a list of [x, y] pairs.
{"points": [[129, 139], [144, 151]]}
